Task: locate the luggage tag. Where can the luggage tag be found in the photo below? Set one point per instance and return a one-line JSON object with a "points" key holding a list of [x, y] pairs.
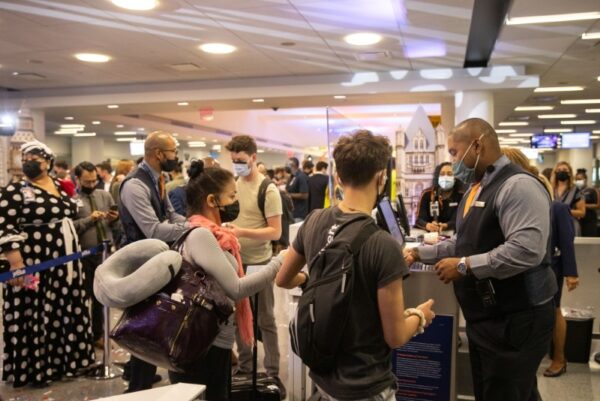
{"points": [[177, 296], [79, 203], [28, 194], [479, 204]]}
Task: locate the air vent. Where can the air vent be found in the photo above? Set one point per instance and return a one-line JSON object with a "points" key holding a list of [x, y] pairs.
{"points": [[372, 56], [186, 67], [30, 76]]}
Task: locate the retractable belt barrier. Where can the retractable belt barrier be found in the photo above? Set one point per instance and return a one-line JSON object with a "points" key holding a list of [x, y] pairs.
{"points": [[51, 263]]}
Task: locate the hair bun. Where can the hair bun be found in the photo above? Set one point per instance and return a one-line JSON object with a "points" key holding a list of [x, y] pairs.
{"points": [[196, 168]]}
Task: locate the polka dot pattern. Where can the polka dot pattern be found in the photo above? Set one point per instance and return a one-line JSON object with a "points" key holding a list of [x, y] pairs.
{"points": [[47, 332]]}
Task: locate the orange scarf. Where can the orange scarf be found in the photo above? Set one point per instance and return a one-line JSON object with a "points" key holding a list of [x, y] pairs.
{"points": [[229, 242]]}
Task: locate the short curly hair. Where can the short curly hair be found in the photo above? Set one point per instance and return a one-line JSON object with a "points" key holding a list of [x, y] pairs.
{"points": [[242, 143], [358, 157]]}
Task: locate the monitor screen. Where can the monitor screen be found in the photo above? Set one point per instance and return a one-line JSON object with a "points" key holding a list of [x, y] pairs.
{"points": [[545, 141], [578, 140], [136, 148], [386, 211]]}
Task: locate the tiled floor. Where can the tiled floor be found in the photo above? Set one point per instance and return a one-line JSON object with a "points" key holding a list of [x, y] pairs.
{"points": [[581, 383]]}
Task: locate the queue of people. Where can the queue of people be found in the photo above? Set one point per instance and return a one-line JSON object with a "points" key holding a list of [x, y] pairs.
{"points": [[507, 262]]}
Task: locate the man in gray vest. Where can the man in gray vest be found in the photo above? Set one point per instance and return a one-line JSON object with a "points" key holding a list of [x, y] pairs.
{"points": [[146, 212], [499, 264]]}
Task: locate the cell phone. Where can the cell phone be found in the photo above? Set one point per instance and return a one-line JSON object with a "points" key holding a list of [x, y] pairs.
{"points": [[114, 208]]}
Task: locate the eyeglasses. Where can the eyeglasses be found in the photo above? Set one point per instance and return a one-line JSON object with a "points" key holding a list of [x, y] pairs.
{"points": [[89, 183], [174, 150]]}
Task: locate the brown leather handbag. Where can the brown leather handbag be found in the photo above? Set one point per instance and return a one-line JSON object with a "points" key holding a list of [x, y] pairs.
{"points": [[175, 327]]}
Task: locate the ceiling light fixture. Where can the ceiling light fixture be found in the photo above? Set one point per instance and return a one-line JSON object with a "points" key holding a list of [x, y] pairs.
{"points": [[339, 97], [534, 108], [557, 130], [513, 124], [592, 110], [183, 104], [85, 134], [63, 131], [557, 116], [128, 140], [590, 35], [558, 89], [363, 38], [505, 131], [258, 100], [595, 136], [543, 19], [578, 122], [92, 57], [95, 122], [119, 125], [521, 135], [69, 118], [137, 5], [217, 48], [580, 101], [113, 106], [121, 133]]}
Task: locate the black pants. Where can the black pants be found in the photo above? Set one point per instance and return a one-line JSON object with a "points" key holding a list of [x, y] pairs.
{"points": [[213, 370], [142, 375], [505, 353], [90, 263]]}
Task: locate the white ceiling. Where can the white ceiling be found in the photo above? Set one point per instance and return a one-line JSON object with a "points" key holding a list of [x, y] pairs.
{"points": [[41, 36]]}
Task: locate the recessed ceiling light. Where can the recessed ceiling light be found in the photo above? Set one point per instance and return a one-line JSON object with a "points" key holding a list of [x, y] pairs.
{"points": [[534, 108], [513, 123], [92, 57], [595, 136], [138, 5], [521, 135], [113, 106], [559, 89], [557, 116], [578, 122], [120, 125], [542, 19], [141, 129], [258, 100], [339, 97], [86, 134], [592, 110], [363, 38], [15, 73], [122, 133], [217, 48], [95, 122], [73, 126], [127, 139], [183, 104], [69, 118], [260, 151], [558, 130], [590, 35], [580, 101], [596, 131], [505, 131]]}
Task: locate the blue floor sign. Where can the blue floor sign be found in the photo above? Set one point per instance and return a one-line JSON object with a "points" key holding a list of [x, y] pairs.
{"points": [[423, 366]]}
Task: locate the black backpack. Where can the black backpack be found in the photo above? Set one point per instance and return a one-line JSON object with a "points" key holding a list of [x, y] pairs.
{"points": [[287, 207], [317, 329]]}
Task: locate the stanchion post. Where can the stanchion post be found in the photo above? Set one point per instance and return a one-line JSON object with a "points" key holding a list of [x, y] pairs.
{"points": [[105, 370]]}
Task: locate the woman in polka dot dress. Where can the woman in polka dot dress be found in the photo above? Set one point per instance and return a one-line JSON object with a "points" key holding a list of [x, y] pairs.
{"points": [[47, 331]]}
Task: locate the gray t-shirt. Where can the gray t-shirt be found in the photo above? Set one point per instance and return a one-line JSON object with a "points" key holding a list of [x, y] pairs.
{"points": [[364, 365], [202, 249]]}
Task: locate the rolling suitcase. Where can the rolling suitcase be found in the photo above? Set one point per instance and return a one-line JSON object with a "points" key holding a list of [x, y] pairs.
{"points": [[256, 386]]}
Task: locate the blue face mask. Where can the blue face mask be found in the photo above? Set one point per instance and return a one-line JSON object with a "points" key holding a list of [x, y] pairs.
{"points": [[446, 182], [461, 171], [242, 169]]}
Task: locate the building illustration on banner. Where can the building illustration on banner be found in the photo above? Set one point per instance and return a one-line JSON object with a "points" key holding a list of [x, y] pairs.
{"points": [[419, 148]]}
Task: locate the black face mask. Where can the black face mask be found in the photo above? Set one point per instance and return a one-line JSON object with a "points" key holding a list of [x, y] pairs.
{"points": [[230, 212], [88, 190], [169, 164], [32, 169], [562, 176]]}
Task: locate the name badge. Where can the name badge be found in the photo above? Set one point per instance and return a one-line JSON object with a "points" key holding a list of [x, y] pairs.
{"points": [[28, 194], [479, 204], [453, 204]]}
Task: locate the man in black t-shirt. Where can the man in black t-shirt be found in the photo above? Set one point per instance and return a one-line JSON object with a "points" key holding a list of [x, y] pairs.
{"points": [[377, 322], [297, 189], [317, 185]]}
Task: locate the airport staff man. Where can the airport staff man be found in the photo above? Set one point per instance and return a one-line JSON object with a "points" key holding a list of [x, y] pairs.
{"points": [[499, 263]]}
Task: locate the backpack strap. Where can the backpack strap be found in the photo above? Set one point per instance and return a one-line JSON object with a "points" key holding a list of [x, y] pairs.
{"points": [[363, 235], [178, 244], [262, 195]]}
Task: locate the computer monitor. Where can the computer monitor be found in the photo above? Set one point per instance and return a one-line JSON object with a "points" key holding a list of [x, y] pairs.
{"points": [[403, 215], [576, 140], [384, 207], [545, 141]]}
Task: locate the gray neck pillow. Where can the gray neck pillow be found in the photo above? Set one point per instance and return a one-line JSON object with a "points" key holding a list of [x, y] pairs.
{"points": [[135, 272]]}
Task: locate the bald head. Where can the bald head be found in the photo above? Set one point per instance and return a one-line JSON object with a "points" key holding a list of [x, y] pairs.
{"points": [[473, 128], [158, 140]]}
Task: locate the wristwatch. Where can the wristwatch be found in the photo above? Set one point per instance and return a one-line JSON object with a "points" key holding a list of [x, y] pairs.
{"points": [[462, 266]]}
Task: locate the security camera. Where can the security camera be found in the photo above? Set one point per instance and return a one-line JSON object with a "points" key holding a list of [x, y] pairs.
{"points": [[275, 108]]}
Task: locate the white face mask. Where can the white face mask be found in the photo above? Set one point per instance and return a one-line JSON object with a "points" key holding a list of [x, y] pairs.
{"points": [[446, 182], [241, 169], [580, 184]]}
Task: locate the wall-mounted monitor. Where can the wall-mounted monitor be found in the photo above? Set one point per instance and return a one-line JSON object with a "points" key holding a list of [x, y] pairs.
{"points": [[545, 141], [136, 148], [576, 140]]}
